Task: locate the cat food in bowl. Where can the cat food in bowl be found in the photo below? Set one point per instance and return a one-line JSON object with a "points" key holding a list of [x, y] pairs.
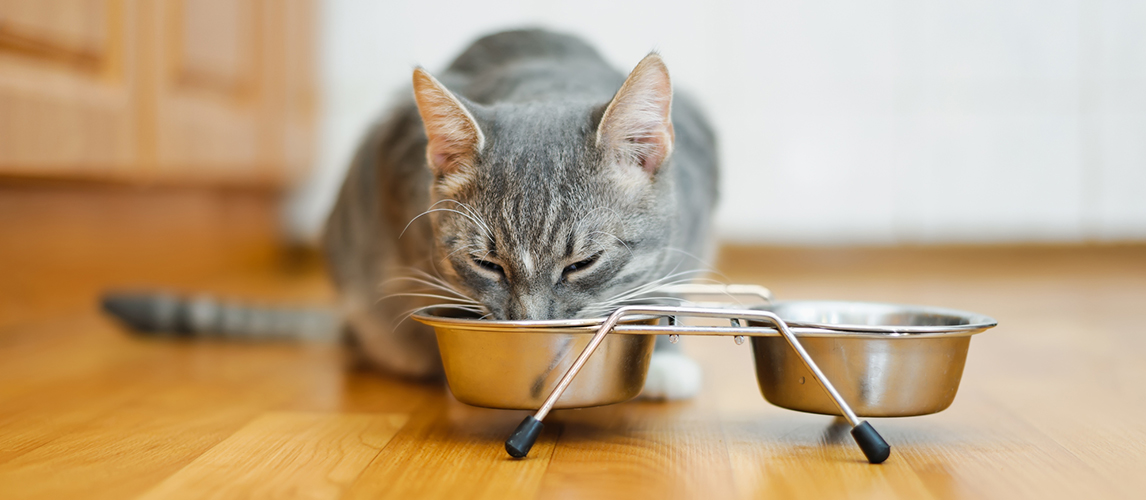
{"points": [[516, 364], [886, 360]]}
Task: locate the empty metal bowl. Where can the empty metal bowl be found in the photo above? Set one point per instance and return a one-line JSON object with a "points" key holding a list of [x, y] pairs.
{"points": [[516, 364], [886, 360]]}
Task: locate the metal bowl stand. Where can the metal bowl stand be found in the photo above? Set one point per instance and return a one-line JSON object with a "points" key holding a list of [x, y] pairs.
{"points": [[870, 442]]}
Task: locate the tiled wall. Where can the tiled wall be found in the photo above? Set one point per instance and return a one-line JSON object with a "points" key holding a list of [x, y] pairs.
{"points": [[842, 122]]}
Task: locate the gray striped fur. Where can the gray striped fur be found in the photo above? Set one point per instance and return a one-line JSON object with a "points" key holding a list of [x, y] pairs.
{"points": [[543, 195]]}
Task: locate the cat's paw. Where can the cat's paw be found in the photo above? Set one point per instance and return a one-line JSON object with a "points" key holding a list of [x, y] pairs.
{"points": [[672, 375]]}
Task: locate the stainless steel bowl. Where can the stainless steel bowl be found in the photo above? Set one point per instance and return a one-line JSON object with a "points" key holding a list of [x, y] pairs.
{"points": [[886, 360], [516, 364]]}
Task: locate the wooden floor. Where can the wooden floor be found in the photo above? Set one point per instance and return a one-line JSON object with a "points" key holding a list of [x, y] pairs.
{"points": [[1051, 404]]}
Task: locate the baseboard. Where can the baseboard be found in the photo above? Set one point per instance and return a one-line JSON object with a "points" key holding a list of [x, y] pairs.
{"points": [[60, 243]]}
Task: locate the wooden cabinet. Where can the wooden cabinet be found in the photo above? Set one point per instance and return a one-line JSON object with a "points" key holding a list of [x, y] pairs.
{"points": [[68, 92], [184, 91]]}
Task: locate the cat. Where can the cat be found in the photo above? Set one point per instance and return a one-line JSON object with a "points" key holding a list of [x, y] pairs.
{"points": [[529, 180]]}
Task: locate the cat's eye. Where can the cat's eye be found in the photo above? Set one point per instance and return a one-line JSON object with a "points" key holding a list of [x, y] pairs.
{"points": [[489, 266], [577, 266]]}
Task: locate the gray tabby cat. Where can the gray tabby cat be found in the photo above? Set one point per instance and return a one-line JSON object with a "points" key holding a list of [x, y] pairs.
{"points": [[529, 180]]}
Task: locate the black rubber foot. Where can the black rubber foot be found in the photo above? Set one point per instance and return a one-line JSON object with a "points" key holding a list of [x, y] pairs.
{"points": [[522, 440], [874, 447]]}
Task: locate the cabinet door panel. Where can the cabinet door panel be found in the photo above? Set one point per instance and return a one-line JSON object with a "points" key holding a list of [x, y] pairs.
{"points": [[69, 28], [292, 40], [214, 46], [214, 91], [66, 87], [210, 90]]}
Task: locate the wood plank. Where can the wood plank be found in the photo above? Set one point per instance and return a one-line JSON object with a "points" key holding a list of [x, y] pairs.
{"points": [[1038, 414], [285, 455], [640, 449], [450, 449], [126, 449], [1048, 407], [119, 434]]}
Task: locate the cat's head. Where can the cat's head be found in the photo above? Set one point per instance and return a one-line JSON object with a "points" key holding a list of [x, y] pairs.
{"points": [[551, 209]]}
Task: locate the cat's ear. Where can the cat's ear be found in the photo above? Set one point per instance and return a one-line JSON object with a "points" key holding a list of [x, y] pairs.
{"points": [[637, 125], [454, 136]]}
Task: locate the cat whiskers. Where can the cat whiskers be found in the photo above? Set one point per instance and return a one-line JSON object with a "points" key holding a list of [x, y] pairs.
{"points": [[406, 315], [615, 238], [434, 287], [471, 216], [668, 280], [433, 284], [593, 312], [470, 210], [704, 264], [644, 292], [461, 249], [430, 296]]}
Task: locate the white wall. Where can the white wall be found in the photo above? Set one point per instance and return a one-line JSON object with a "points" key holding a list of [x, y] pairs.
{"points": [[841, 122]]}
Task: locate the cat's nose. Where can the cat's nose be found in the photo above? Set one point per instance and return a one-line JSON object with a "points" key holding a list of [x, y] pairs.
{"points": [[529, 307]]}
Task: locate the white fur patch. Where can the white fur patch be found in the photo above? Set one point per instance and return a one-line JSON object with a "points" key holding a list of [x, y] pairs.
{"points": [[672, 375], [631, 182]]}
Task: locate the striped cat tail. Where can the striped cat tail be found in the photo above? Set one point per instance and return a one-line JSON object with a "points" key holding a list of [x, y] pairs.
{"points": [[203, 316]]}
